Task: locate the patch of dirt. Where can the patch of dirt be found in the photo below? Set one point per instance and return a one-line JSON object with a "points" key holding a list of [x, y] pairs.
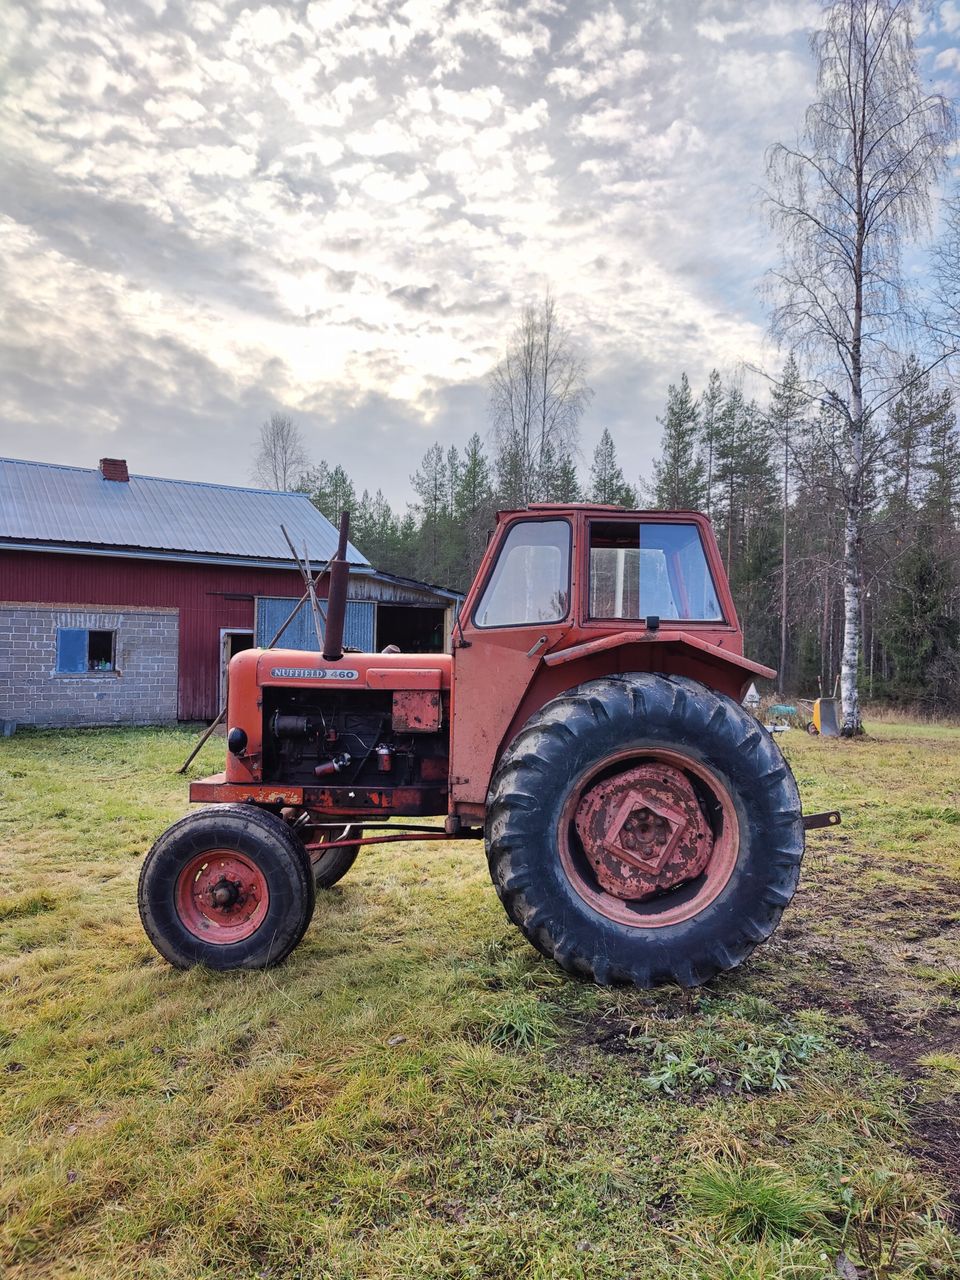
{"points": [[898, 1044], [936, 1128], [872, 1023]]}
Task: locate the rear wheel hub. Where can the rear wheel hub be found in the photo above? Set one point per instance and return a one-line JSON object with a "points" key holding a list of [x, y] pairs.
{"points": [[643, 831]]}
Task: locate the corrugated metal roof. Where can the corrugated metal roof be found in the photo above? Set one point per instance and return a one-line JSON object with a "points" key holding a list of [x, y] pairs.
{"points": [[44, 503]]}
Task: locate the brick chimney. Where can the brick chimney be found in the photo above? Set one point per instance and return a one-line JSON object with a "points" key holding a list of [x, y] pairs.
{"points": [[114, 469]]}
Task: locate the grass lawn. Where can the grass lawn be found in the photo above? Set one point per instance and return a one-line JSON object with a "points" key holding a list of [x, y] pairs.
{"points": [[417, 1094]]}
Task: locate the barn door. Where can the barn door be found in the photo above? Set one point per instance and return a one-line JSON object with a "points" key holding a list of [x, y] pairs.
{"points": [[231, 642], [300, 633]]}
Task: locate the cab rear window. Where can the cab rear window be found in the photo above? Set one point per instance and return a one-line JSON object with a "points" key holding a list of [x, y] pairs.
{"points": [[639, 570]]}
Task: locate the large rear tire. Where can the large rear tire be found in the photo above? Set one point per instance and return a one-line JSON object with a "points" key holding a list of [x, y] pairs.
{"points": [[690, 769], [229, 887]]}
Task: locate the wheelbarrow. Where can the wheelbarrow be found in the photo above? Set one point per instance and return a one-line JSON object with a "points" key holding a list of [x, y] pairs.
{"points": [[825, 718]]}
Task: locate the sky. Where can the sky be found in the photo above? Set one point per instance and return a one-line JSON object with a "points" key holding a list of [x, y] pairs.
{"points": [[337, 209]]}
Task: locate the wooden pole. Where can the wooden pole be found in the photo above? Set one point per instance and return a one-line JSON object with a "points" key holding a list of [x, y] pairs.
{"points": [[309, 594]]}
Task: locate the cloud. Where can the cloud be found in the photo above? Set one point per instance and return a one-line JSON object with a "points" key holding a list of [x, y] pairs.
{"points": [[338, 207]]}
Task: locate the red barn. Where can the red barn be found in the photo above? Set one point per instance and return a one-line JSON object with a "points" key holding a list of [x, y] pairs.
{"points": [[122, 597]]}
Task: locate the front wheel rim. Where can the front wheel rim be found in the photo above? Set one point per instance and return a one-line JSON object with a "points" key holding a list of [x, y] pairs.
{"points": [[221, 896], [319, 854], [605, 858]]}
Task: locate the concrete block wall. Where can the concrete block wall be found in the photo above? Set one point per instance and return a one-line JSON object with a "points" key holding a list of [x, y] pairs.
{"points": [[142, 690]]}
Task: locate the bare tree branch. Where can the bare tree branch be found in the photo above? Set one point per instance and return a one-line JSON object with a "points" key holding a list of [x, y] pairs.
{"points": [[281, 457], [844, 200]]}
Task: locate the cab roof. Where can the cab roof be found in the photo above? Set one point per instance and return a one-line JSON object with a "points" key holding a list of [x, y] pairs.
{"points": [[601, 506]]}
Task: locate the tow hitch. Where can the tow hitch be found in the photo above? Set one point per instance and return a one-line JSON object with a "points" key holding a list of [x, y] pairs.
{"points": [[811, 821]]}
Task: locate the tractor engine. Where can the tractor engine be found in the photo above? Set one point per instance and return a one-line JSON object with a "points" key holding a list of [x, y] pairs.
{"points": [[374, 739]]}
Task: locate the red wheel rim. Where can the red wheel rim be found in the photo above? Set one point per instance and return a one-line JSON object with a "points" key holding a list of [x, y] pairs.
{"points": [[317, 849], [222, 896], [709, 874]]}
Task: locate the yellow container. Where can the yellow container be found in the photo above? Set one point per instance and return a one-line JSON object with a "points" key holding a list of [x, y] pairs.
{"points": [[825, 718]]}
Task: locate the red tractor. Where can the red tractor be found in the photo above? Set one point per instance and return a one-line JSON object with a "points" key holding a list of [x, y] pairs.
{"points": [[640, 826]]}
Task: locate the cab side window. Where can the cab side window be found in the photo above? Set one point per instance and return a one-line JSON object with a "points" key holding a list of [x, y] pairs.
{"points": [[530, 582]]}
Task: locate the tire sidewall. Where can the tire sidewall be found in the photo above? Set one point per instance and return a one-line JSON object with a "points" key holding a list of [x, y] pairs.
{"points": [[711, 730], [267, 842], [334, 865]]}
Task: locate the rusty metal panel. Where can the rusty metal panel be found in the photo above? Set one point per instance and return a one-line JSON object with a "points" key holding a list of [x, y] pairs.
{"points": [[397, 677], [351, 801], [416, 711]]}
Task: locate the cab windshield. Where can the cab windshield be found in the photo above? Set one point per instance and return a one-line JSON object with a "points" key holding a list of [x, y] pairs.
{"points": [[640, 570], [531, 579]]}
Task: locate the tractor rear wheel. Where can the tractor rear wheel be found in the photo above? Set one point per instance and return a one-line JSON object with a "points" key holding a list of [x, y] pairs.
{"points": [[331, 865], [642, 828], [229, 887]]}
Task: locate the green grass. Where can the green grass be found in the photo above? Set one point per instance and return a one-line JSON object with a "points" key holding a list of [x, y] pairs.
{"points": [[756, 1202], [418, 1095]]}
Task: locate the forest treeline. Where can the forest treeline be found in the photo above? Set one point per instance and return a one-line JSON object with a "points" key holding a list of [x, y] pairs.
{"points": [[835, 500], [762, 473]]}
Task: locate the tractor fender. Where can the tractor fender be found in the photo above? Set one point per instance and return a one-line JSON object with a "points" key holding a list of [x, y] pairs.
{"points": [[666, 652], [684, 645]]}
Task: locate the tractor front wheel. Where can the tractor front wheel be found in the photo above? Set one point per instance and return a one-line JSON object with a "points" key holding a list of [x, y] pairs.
{"points": [[644, 829], [331, 865], [229, 887]]}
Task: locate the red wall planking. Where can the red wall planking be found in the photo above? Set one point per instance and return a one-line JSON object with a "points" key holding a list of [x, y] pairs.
{"points": [[197, 590]]}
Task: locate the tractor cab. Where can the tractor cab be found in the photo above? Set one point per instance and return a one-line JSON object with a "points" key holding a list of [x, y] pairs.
{"points": [[568, 592]]}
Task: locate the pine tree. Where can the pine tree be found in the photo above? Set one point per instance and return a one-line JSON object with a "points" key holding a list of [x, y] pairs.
{"points": [[473, 508], [374, 529], [474, 491], [513, 486], [343, 496], [454, 467], [941, 466], [710, 403], [432, 487], [907, 435], [330, 491], [788, 404], [728, 470], [919, 633], [607, 481], [565, 483], [679, 478]]}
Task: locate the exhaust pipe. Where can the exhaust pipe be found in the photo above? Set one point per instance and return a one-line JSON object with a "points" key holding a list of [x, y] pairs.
{"points": [[337, 596]]}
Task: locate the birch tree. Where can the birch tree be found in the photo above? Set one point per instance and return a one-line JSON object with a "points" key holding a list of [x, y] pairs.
{"points": [[845, 199], [538, 394], [281, 457]]}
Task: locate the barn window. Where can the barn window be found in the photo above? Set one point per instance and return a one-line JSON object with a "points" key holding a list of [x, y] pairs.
{"points": [[80, 650]]}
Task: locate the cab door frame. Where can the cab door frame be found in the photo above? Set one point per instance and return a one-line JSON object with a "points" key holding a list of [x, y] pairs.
{"points": [[494, 667]]}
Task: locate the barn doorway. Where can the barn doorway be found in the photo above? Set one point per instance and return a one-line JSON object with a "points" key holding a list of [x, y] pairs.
{"points": [[231, 643], [412, 628]]}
